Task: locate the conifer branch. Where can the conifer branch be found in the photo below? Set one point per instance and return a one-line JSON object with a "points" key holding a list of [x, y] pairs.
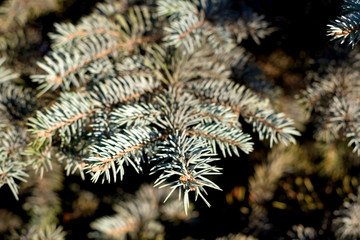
{"points": [[226, 138], [134, 116], [68, 117], [139, 214], [124, 89], [12, 165], [6, 75], [185, 162], [346, 27], [63, 69], [269, 125], [126, 147], [129, 93], [274, 127], [67, 34], [344, 116]]}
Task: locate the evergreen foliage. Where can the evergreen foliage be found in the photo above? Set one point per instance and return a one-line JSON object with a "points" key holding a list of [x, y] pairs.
{"points": [[129, 93], [346, 26], [169, 91]]}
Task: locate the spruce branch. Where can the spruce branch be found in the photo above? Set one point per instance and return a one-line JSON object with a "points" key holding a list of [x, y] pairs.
{"points": [[183, 33], [184, 163], [44, 203], [334, 99], [344, 117], [110, 8], [223, 136], [67, 118], [67, 34], [73, 156], [6, 75], [121, 148], [213, 113], [250, 24], [40, 159], [237, 97], [123, 89], [50, 231], [346, 222], [268, 124], [135, 115], [130, 93], [191, 23], [272, 126], [12, 166], [139, 216], [16, 102], [68, 66], [346, 27], [238, 236]]}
